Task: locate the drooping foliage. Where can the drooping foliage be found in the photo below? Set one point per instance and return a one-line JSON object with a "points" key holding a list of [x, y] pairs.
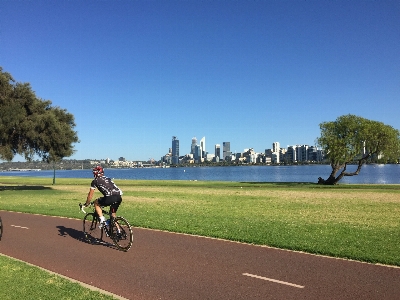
{"points": [[353, 139], [30, 126]]}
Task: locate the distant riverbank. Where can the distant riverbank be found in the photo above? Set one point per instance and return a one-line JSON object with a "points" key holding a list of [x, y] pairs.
{"points": [[370, 174]]}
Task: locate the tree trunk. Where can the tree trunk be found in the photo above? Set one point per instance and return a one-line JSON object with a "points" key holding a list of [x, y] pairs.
{"points": [[332, 179]]}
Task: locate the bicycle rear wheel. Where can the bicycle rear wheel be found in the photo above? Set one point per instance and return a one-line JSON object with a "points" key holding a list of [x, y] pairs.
{"points": [[1, 228], [122, 234], [93, 234]]}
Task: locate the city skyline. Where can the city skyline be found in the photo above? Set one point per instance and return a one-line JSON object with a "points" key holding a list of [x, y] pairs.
{"points": [[276, 154], [135, 73]]}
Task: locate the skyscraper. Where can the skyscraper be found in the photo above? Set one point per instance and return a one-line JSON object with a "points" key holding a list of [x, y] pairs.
{"points": [[275, 147], [276, 152], [193, 146], [203, 147], [217, 151], [197, 154], [226, 149], [175, 150]]}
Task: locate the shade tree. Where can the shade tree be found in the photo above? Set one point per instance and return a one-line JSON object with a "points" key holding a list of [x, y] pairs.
{"points": [[355, 140], [31, 126]]}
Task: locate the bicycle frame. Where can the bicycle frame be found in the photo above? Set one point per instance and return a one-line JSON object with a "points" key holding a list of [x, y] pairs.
{"points": [[106, 228], [118, 230]]}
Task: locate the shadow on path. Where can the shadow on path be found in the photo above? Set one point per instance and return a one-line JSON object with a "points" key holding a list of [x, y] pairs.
{"points": [[79, 236]]}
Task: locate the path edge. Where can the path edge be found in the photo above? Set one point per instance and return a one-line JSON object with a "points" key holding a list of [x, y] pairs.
{"points": [[85, 285]]}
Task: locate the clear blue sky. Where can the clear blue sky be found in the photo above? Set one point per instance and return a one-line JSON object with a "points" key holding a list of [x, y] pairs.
{"points": [[136, 73]]}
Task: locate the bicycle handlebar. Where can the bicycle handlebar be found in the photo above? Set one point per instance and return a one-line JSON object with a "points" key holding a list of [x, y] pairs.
{"points": [[81, 206]]}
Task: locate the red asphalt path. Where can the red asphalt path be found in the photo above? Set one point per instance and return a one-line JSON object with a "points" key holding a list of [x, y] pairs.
{"points": [[162, 265]]}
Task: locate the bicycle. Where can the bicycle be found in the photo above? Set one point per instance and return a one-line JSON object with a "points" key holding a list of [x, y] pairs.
{"points": [[1, 228], [118, 229]]}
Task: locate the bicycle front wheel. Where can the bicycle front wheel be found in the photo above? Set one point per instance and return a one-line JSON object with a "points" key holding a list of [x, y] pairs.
{"points": [[122, 234], [93, 234], [1, 228]]}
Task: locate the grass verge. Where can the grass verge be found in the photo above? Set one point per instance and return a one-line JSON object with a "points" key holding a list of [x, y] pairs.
{"points": [[21, 281]]}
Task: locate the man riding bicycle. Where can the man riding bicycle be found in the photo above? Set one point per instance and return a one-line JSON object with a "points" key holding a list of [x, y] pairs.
{"points": [[111, 194]]}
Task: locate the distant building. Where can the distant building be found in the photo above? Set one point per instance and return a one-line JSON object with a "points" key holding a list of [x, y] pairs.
{"points": [[302, 153], [203, 147], [275, 147], [312, 153], [217, 151], [291, 154], [193, 146], [175, 150], [197, 154], [226, 150], [209, 157], [320, 155], [275, 157]]}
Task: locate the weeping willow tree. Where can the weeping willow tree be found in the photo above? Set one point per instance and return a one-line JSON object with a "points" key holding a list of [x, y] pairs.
{"points": [[30, 126], [354, 140]]}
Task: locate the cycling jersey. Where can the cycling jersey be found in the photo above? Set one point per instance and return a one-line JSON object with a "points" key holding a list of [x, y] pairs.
{"points": [[106, 186]]}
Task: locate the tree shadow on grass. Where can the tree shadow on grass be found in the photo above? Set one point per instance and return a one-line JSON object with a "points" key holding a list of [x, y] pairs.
{"points": [[79, 236], [23, 188]]}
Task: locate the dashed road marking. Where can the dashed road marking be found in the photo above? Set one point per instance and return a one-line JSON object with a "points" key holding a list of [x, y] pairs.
{"points": [[274, 280], [19, 226]]}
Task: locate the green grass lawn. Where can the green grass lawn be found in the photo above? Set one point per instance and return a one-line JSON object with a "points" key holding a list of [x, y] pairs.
{"points": [[19, 281]]}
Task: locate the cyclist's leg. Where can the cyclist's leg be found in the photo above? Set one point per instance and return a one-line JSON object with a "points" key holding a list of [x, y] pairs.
{"points": [[113, 211], [115, 205], [97, 206]]}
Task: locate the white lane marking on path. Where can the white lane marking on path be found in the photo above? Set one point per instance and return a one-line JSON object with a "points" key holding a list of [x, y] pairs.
{"points": [[274, 280], [19, 226]]}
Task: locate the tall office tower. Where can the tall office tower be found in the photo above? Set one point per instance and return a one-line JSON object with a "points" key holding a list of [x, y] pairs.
{"points": [[193, 146], [175, 150], [291, 154], [203, 147], [275, 152], [226, 149], [275, 147], [217, 151], [197, 154]]}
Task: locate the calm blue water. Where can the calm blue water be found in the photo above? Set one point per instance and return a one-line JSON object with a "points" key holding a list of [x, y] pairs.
{"points": [[382, 174]]}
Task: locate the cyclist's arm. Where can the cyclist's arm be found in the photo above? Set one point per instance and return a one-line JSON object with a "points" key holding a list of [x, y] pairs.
{"points": [[89, 196]]}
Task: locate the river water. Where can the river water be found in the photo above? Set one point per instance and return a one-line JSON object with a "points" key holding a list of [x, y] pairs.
{"points": [[370, 174]]}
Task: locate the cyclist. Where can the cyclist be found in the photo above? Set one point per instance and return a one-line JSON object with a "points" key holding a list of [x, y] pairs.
{"points": [[111, 194]]}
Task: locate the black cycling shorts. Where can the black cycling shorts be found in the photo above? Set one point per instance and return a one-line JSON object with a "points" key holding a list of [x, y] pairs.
{"points": [[113, 201]]}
